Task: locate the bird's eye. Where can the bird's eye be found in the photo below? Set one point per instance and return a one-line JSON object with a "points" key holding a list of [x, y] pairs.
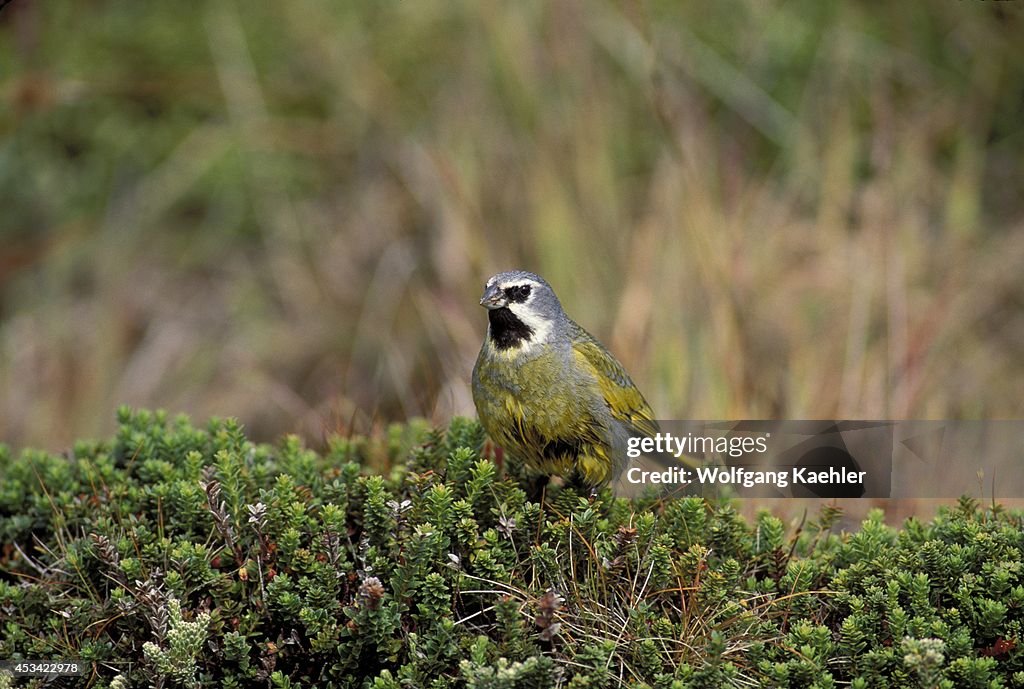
{"points": [[517, 293]]}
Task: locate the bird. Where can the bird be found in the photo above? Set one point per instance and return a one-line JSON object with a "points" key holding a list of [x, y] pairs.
{"points": [[548, 392]]}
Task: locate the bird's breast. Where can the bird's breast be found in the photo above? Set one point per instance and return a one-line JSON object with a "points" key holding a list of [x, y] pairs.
{"points": [[539, 395]]}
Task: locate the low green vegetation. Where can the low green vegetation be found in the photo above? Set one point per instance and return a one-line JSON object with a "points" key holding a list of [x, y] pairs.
{"points": [[176, 556]]}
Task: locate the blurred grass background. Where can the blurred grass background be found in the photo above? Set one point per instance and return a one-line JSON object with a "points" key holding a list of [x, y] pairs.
{"points": [[285, 212]]}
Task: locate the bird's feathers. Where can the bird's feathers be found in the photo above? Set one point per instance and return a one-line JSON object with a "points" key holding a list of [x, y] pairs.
{"points": [[623, 398], [550, 393]]}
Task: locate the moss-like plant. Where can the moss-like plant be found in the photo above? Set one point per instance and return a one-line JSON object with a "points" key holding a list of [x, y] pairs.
{"points": [[184, 645], [306, 569]]}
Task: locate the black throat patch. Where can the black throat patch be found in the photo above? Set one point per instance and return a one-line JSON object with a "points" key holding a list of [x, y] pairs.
{"points": [[506, 329]]}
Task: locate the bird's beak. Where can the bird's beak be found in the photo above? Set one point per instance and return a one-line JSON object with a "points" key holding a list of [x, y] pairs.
{"points": [[493, 298]]}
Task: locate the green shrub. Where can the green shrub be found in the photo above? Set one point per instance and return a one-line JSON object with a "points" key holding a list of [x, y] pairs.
{"points": [[172, 556]]}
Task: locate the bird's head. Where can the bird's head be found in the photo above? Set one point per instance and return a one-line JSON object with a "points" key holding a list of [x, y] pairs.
{"points": [[522, 308]]}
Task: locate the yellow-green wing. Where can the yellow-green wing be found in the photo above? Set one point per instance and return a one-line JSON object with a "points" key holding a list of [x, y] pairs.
{"points": [[623, 399]]}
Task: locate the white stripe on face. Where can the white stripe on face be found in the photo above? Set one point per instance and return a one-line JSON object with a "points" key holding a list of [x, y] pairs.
{"points": [[540, 324]]}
